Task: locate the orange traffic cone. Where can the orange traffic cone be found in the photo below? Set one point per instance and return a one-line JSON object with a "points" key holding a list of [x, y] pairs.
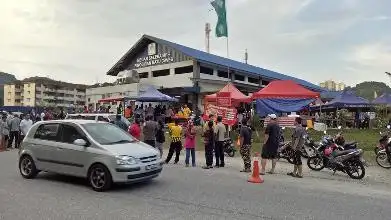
{"points": [[255, 177]]}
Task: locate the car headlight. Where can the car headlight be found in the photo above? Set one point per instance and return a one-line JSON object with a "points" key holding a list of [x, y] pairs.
{"points": [[126, 160]]}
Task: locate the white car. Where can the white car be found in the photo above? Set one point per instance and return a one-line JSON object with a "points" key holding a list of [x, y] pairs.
{"points": [[98, 151]]}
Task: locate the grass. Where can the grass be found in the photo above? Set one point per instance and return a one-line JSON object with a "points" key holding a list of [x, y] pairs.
{"points": [[367, 139]]}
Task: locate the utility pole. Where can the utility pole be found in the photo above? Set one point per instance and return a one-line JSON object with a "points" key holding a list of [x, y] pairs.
{"points": [[207, 37]]}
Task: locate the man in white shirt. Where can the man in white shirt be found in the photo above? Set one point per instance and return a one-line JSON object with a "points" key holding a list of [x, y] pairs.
{"points": [[43, 114], [25, 126]]}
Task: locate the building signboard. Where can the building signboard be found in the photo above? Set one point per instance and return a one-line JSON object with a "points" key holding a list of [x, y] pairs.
{"points": [[155, 54], [153, 60]]}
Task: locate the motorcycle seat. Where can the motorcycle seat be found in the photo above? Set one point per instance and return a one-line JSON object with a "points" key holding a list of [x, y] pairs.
{"points": [[339, 153], [350, 144]]}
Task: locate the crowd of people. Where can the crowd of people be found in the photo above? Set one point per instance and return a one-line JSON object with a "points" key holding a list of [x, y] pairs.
{"points": [[150, 123], [14, 126]]}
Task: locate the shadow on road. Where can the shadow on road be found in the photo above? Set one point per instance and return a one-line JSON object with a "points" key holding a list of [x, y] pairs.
{"points": [[82, 182]]}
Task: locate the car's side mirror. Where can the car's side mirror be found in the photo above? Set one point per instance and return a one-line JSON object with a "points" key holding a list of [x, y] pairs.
{"points": [[80, 142]]}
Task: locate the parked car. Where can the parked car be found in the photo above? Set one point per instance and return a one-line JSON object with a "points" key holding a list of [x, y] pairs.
{"points": [[105, 117], [98, 151]]}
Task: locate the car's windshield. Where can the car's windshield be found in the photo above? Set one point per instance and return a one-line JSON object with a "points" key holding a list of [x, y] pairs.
{"points": [[112, 118], [106, 134]]}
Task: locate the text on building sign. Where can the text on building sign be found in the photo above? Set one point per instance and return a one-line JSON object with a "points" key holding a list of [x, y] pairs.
{"points": [[154, 60]]}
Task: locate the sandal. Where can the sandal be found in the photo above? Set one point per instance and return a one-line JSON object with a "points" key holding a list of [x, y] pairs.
{"points": [[245, 171], [291, 174]]}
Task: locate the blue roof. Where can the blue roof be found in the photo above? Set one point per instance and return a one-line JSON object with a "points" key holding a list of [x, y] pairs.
{"points": [[214, 59]]}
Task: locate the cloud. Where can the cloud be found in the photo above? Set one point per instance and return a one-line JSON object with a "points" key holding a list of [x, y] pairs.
{"points": [[380, 18]]}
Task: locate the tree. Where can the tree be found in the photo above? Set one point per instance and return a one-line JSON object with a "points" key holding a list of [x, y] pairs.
{"points": [[368, 89]]}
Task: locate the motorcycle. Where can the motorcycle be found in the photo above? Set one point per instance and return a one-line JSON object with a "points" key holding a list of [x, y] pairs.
{"points": [[383, 157], [382, 141], [229, 148], [286, 152], [309, 147], [337, 158]]}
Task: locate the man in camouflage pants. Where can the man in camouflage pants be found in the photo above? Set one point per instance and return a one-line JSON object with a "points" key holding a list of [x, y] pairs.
{"points": [[245, 146]]}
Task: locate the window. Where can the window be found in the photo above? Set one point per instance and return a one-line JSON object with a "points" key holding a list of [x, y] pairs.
{"points": [[28, 99], [28, 92], [69, 134], [206, 70], [28, 85], [89, 99], [143, 75], [253, 80], [239, 77], [222, 74], [47, 132], [84, 117], [101, 118], [158, 73], [113, 134], [182, 70], [9, 100]]}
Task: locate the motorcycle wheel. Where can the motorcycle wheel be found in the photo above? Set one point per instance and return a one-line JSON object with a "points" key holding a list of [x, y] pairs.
{"points": [[376, 150], [357, 166], [382, 160], [289, 154], [315, 163], [231, 153]]}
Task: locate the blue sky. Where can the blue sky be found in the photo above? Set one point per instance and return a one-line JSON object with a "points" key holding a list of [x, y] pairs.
{"points": [[317, 40]]}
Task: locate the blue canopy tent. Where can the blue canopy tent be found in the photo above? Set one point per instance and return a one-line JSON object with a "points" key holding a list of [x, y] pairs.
{"points": [[154, 95], [346, 99], [272, 105], [384, 99]]}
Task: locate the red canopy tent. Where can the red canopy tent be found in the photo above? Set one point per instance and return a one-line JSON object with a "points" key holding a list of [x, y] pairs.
{"points": [[284, 89], [235, 95]]}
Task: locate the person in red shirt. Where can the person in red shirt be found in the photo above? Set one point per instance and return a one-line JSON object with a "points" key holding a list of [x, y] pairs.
{"points": [[135, 129]]}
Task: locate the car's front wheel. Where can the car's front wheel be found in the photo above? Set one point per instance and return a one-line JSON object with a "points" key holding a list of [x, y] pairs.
{"points": [[99, 178], [27, 167]]}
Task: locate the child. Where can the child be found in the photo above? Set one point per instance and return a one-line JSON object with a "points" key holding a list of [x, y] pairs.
{"points": [[209, 140], [160, 138], [190, 143], [176, 142]]}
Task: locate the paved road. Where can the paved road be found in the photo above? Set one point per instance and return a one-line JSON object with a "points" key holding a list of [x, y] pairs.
{"points": [[189, 193]]}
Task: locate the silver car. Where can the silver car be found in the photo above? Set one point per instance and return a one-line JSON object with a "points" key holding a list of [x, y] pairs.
{"points": [[98, 151]]}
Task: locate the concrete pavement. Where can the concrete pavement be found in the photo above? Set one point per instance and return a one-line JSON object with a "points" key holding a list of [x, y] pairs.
{"points": [[191, 193]]}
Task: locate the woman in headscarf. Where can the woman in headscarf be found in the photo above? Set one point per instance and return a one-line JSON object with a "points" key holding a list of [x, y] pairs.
{"points": [[190, 143]]}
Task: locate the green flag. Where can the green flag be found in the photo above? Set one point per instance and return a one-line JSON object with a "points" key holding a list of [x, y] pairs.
{"points": [[221, 27]]}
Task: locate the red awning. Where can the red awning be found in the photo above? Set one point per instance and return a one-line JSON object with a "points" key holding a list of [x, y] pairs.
{"points": [[284, 89], [236, 95]]}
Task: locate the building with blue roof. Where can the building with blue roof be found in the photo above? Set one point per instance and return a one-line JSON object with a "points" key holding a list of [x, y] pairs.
{"points": [[188, 73]]}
